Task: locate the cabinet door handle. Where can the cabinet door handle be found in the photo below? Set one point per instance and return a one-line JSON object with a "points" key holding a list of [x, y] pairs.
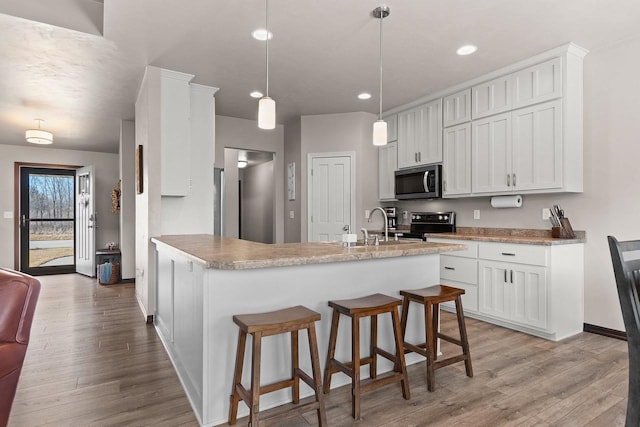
{"points": [[449, 268], [514, 179], [508, 180], [508, 254], [511, 276], [505, 276], [419, 156], [445, 185]]}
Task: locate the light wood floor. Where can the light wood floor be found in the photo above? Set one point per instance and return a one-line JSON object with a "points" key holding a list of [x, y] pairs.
{"points": [[92, 361]]}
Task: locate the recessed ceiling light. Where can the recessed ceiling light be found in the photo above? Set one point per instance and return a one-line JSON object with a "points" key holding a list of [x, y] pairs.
{"points": [[467, 49], [364, 95], [261, 34], [256, 94]]}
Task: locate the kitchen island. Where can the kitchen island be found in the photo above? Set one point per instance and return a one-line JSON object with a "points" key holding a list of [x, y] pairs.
{"points": [[203, 280]]}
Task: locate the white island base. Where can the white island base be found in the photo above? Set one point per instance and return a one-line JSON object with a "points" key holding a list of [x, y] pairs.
{"points": [[195, 306]]}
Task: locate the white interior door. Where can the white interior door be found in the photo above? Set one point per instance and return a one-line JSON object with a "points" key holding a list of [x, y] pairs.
{"points": [[331, 198], [85, 222]]}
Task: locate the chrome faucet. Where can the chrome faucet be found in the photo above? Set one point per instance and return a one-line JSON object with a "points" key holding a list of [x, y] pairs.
{"points": [[365, 233], [386, 222]]}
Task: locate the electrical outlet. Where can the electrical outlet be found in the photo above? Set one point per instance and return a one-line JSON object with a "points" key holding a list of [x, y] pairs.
{"points": [[8, 215], [476, 214], [405, 214], [367, 214], [292, 214], [546, 213]]}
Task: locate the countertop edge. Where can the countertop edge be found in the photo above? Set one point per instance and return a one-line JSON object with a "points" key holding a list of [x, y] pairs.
{"points": [[521, 240]]}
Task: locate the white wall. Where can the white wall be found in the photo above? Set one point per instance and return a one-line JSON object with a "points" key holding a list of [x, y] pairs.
{"points": [[258, 202], [340, 133], [127, 198], [240, 133], [106, 169], [610, 204]]}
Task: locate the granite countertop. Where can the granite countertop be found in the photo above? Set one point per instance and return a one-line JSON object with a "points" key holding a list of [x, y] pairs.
{"points": [[226, 253], [510, 235]]}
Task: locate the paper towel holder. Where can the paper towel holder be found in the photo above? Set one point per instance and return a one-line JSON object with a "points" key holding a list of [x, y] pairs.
{"points": [[510, 201]]}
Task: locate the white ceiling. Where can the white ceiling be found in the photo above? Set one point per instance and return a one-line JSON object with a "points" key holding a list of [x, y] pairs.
{"points": [[323, 53]]}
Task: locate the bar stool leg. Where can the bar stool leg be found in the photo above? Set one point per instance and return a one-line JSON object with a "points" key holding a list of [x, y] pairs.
{"points": [[403, 328], [373, 366], [435, 328], [406, 393], [355, 357], [328, 367], [315, 368], [428, 326], [463, 337], [294, 367], [237, 377], [254, 407]]}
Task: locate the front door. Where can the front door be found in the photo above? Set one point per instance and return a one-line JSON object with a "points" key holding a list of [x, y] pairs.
{"points": [[46, 220], [331, 198], [86, 222]]}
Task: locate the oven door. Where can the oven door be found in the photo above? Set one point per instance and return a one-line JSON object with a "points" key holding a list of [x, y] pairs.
{"points": [[418, 183]]}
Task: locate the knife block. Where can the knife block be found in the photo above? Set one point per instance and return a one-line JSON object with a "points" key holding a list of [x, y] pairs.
{"points": [[564, 232]]}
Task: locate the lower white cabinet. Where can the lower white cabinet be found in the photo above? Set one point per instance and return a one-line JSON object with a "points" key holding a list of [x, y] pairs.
{"points": [[537, 289], [513, 292]]}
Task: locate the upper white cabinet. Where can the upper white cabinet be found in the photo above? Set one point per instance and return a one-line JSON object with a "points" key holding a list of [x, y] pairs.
{"points": [[492, 97], [456, 108], [491, 154], [456, 163], [387, 165], [175, 142], [392, 128], [536, 153], [420, 135], [539, 83]]}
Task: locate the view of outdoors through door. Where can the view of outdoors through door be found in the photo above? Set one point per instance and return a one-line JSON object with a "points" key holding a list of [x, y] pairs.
{"points": [[47, 216]]}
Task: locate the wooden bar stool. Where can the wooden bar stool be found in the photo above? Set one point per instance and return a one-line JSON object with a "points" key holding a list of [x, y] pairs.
{"points": [[369, 306], [431, 298], [265, 324]]}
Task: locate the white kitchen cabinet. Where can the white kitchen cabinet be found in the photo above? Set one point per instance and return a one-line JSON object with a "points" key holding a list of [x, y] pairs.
{"points": [[536, 84], [387, 165], [518, 151], [392, 128], [536, 154], [175, 142], [513, 292], [492, 97], [456, 108], [491, 154], [537, 289], [420, 135], [456, 162]]}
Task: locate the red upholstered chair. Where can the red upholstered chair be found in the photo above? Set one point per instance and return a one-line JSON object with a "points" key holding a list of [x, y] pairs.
{"points": [[18, 295]]}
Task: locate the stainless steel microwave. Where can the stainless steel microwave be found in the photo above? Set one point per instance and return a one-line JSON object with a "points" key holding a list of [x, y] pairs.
{"points": [[424, 182]]}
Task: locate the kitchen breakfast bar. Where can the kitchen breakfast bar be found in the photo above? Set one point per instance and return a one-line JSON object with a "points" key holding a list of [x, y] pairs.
{"points": [[203, 280]]}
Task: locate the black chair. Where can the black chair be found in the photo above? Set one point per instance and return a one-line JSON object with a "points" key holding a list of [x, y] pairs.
{"points": [[627, 272]]}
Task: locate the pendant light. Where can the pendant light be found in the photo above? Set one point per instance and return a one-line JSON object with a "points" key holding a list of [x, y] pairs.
{"points": [[266, 105], [39, 136], [380, 126]]}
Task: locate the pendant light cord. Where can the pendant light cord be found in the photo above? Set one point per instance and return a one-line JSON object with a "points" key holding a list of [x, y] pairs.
{"points": [[381, 18], [266, 14]]}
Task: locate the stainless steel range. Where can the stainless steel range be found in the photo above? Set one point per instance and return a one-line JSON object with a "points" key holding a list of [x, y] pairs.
{"points": [[430, 222]]}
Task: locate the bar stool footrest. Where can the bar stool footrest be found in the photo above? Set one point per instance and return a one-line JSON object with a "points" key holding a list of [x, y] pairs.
{"points": [[450, 339], [390, 357], [382, 380], [419, 348], [449, 361]]}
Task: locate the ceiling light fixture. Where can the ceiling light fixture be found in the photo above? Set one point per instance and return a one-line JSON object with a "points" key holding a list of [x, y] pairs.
{"points": [[266, 105], [39, 136], [256, 94], [242, 164], [364, 95], [261, 34], [380, 126], [467, 49]]}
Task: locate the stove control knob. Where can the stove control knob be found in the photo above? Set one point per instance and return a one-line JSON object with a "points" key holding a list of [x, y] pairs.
{"points": [[440, 217], [446, 217]]}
